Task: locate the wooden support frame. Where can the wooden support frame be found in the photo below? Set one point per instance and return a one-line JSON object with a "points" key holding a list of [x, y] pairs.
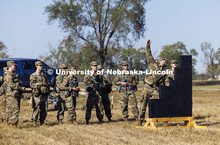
{"points": [[189, 121]]}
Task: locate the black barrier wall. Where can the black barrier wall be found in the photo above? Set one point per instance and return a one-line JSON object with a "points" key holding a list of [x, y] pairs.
{"points": [[175, 100]]}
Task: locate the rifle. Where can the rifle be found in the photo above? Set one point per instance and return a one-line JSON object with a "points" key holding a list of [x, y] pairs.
{"points": [[131, 84]]}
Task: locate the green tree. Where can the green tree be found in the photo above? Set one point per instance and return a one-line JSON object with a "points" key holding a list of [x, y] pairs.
{"points": [[136, 58], [99, 22], [173, 51], [209, 58], [3, 48]]}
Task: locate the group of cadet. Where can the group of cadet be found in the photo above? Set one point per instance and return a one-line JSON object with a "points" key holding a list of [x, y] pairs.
{"points": [[98, 87]]}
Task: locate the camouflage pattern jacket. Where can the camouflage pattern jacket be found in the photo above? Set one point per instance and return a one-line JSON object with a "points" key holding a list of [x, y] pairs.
{"points": [[67, 85], [13, 84], [153, 79], [132, 82], [92, 84], [39, 84]]}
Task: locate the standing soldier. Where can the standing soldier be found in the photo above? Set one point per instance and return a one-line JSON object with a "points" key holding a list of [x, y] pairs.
{"points": [[69, 92], [3, 115], [2, 99], [92, 84], [40, 91], [60, 102], [13, 86], [127, 85], [152, 82], [104, 92]]}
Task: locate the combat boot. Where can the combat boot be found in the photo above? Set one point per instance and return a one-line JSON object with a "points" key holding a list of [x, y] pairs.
{"points": [[74, 122], [60, 122], [100, 121], [35, 123], [139, 123], [13, 125], [109, 119], [125, 119], [70, 122], [87, 122]]}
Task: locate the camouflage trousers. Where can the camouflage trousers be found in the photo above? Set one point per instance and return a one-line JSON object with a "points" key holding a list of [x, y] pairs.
{"points": [[147, 93], [3, 114], [107, 105], [91, 101], [70, 104], [40, 106], [124, 99], [12, 108]]}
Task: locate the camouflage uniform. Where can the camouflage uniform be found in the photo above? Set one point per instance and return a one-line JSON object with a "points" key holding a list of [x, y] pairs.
{"points": [[151, 83], [104, 93], [170, 75], [68, 97], [2, 98], [92, 88], [3, 115], [40, 91], [127, 93], [13, 86]]}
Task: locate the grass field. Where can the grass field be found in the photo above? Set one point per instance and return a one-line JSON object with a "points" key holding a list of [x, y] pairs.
{"points": [[206, 110]]}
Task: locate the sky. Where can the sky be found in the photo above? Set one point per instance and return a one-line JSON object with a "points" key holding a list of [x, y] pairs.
{"points": [[26, 33]]}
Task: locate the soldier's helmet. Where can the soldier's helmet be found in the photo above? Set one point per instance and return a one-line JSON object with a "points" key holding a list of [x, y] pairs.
{"points": [[9, 63], [63, 66], [93, 63], [38, 63], [163, 59], [99, 67], [174, 61], [124, 63]]}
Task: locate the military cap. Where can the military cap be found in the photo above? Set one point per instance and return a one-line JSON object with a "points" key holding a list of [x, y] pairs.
{"points": [[173, 61], [99, 66], [37, 63], [5, 69], [71, 68], [63, 66], [163, 59], [124, 63], [93, 63], [9, 63]]}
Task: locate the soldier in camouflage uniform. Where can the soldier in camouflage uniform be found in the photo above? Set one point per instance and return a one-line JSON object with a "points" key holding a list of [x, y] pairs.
{"points": [[40, 91], [152, 82], [2, 98], [60, 102], [127, 85], [92, 86], [3, 115], [69, 92], [13, 87], [174, 64], [104, 93]]}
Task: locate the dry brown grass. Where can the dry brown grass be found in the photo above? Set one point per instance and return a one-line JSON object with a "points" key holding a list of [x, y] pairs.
{"points": [[206, 109]]}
